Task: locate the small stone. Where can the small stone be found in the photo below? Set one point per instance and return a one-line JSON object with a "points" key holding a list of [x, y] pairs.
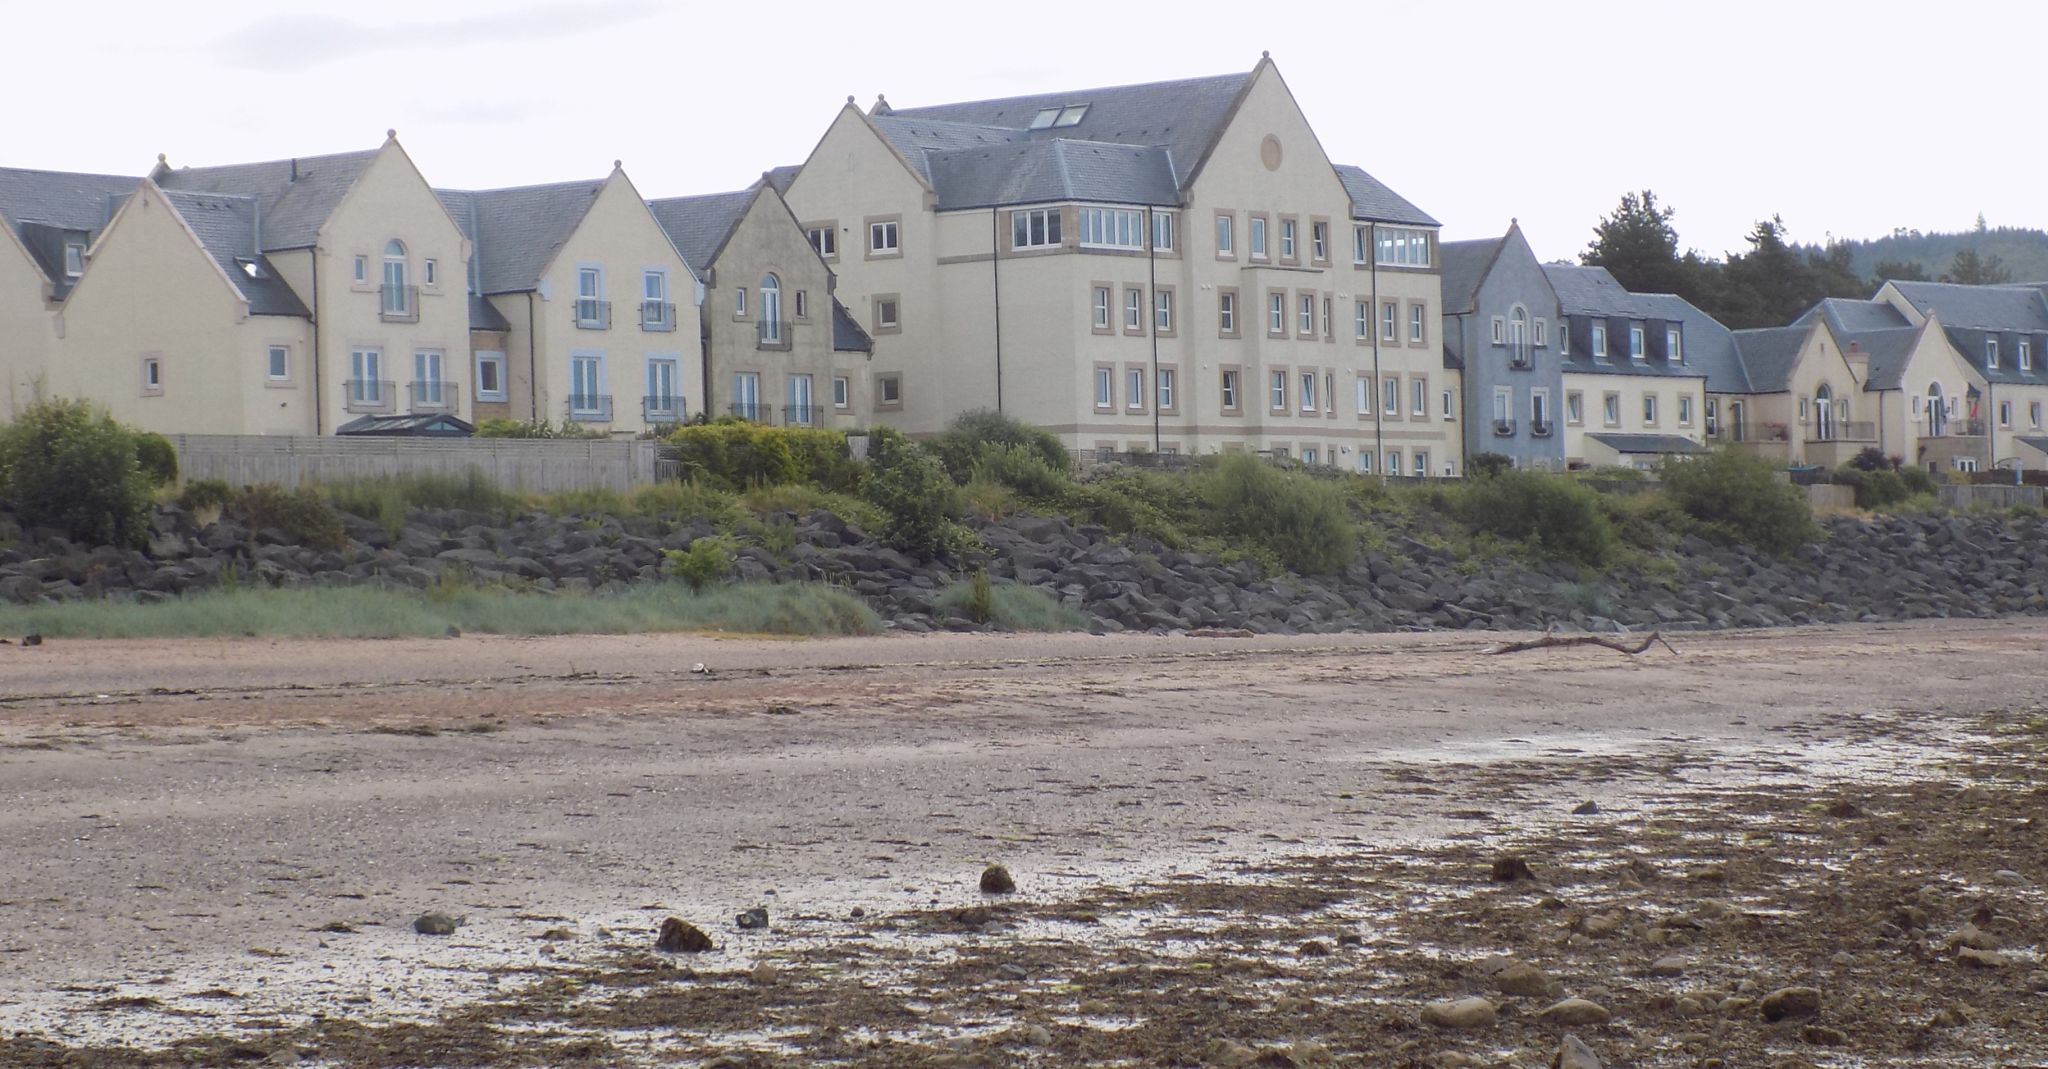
{"points": [[679, 936], [2009, 878], [1509, 868], [1669, 965], [995, 880], [1586, 809], [1790, 1002], [1522, 978], [1573, 1054], [32, 639], [1576, 1011], [1228, 1054], [1601, 925], [765, 973], [1969, 935], [1010, 970], [1459, 1013], [857, 913], [2037, 980], [435, 924], [753, 918], [1036, 1035], [1949, 1017], [557, 935], [1350, 939], [1823, 1036], [1844, 809], [1983, 959], [1313, 948]]}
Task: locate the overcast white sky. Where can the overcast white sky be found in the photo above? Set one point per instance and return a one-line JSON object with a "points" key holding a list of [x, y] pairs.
{"points": [[1846, 118]]}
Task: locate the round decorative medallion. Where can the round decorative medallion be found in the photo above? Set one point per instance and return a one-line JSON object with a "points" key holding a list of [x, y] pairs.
{"points": [[1269, 152]]}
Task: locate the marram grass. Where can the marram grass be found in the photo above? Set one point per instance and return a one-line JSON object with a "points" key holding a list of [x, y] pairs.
{"points": [[375, 612]]}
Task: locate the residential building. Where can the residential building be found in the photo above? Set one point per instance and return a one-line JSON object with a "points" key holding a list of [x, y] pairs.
{"points": [[1173, 266], [777, 346], [1920, 383], [1801, 401], [1635, 370], [48, 222], [1500, 321], [2002, 332], [585, 312]]}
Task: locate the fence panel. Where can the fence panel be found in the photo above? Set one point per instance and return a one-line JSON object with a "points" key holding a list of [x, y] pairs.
{"points": [[539, 465], [2002, 497]]}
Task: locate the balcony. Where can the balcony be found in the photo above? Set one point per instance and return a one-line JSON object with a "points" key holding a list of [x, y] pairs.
{"points": [[658, 315], [398, 304], [589, 408], [1521, 358], [661, 409], [1957, 428], [753, 411], [799, 415], [434, 396], [369, 395], [1845, 431], [593, 314], [1540, 428], [773, 333], [1504, 428]]}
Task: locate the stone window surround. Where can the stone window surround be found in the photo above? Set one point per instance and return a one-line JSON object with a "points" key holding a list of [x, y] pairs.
{"points": [[895, 324], [867, 236], [882, 383], [1390, 389], [1135, 401], [1286, 387], [1173, 310], [1415, 309], [1364, 399], [1167, 368], [1311, 297], [1615, 397], [153, 359], [1107, 291], [1575, 407], [1095, 379], [1124, 310], [1418, 390], [1281, 255], [1271, 331], [1251, 252], [1322, 222], [1223, 215], [831, 226], [1222, 371], [1236, 328]]}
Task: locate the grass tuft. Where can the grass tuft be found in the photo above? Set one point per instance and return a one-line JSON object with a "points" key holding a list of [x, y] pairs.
{"points": [[1013, 607]]}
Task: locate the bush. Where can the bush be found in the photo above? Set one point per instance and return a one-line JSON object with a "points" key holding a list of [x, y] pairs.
{"points": [[1301, 520], [736, 455], [1875, 488], [1871, 458], [1132, 501], [685, 501], [1739, 498], [63, 465], [1644, 521], [519, 428], [803, 500], [1484, 465], [588, 501], [972, 433], [303, 515], [1012, 607], [157, 459], [703, 562], [1919, 481], [388, 500], [1021, 468], [1560, 517], [920, 505], [201, 495]]}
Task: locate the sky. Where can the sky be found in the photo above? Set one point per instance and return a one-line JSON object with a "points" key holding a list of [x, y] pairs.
{"points": [[1846, 119]]}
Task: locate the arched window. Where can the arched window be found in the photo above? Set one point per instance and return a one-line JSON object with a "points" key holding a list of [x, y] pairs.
{"points": [[771, 309], [1824, 414], [397, 298], [1937, 411], [1518, 337]]}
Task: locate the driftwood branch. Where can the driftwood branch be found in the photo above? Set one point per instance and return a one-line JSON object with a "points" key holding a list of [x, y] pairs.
{"points": [[1548, 641]]}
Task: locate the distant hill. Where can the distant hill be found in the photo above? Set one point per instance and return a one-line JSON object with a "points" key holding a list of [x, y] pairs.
{"points": [[2024, 252]]}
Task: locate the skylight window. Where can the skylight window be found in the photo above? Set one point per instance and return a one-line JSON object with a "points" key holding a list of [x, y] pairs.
{"points": [[1045, 118], [1070, 115], [249, 267]]}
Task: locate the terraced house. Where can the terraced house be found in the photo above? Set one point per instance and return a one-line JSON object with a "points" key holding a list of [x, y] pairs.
{"points": [[1997, 420], [1174, 266], [1900, 366], [1635, 370], [1500, 333]]}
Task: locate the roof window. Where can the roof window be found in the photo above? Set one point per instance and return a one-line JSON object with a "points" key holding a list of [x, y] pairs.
{"points": [[1044, 118], [249, 267], [1071, 115]]}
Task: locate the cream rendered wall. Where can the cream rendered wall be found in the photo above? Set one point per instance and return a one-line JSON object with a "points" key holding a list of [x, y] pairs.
{"points": [[151, 289], [852, 176], [1932, 360], [767, 240], [620, 236], [390, 200], [26, 325], [521, 361], [2006, 447], [1632, 389]]}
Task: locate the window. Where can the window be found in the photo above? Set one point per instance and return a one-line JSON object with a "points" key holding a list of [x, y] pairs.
{"points": [[1308, 391], [1610, 409], [1402, 247], [882, 238], [887, 314], [74, 259], [800, 412], [1326, 318], [2005, 413], [1101, 307], [1420, 396], [1162, 311], [1305, 315], [746, 396], [590, 310], [1309, 455], [1542, 333], [1391, 397], [1966, 463], [770, 330], [1226, 247], [825, 239], [397, 298], [2026, 355], [1226, 313], [1991, 353], [490, 376], [152, 374], [1500, 330], [1258, 237], [1600, 341], [1105, 387], [1112, 228], [656, 313], [1134, 309], [1360, 323], [1564, 338], [1387, 313], [739, 302], [1279, 400], [1365, 462], [1416, 313], [1450, 399], [1422, 463], [429, 388], [1685, 410], [1319, 241], [803, 304], [1635, 343], [1276, 313], [1364, 391], [1134, 389], [430, 272], [586, 388], [1035, 228], [1713, 417], [2034, 414], [1503, 405], [1575, 407], [1162, 231], [362, 270], [1539, 411], [888, 391], [1229, 390], [1166, 384], [365, 385], [842, 392], [1394, 462], [663, 403], [1649, 410], [1287, 239], [1674, 345], [278, 363], [1358, 244]]}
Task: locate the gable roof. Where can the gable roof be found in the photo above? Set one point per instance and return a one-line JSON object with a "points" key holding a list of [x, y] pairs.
{"points": [[701, 225], [1707, 348], [1372, 201], [2021, 309], [781, 177], [515, 233], [1889, 350], [1042, 172], [1845, 316], [64, 199], [1769, 354], [1591, 291], [294, 196], [1646, 444], [847, 335], [913, 137], [226, 229], [1465, 264]]}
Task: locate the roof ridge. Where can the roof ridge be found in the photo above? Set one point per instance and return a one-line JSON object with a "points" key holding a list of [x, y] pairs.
{"points": [[901, 112]]}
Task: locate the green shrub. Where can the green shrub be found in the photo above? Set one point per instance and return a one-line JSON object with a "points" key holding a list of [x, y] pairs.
{"points": [[1919, 481], [804, 500], [736, 455], [1012, 607], [517, 428], [303, 515], [971, 433], [1558, 516], [1021, 468], [63, 465], [1133, 501], [775, 536], [1302, 520], [681, 502], [1739, 498], [379, 501], [1876, 488], [823, 460], [157, 459], [703, 562], [1645, 521], [588, 501], [1871, 458], [1485, 465], [988, 498], [200, 495], [920, 505]]}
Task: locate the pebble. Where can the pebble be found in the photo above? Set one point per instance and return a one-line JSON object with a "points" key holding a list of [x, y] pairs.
{"points": [[2010, 878], [1574, 1054], [765, 973], [1983, 959], [1669, 965], [1522, 978], [1790, 1002], [1459, 1013], [1823, 1036], [1586, 809], [1228, 1053], [679, 936], [1509, 868], [435, 924], [753, 918], [1013, 971], [1036, 1034], [1576, 1011], [1314, 948], [857, 913], [1969, 935], [1601, 925], [995, 880]]}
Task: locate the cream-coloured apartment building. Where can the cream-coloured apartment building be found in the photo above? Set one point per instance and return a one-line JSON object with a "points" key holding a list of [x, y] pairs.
{"points": [[1174, 266], [1637, 369]]}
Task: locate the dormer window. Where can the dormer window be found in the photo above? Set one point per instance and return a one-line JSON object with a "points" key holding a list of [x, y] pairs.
{"points": [[249, 267], [1635, 343], [1674, 349], [74, 259], [1991, 353]]}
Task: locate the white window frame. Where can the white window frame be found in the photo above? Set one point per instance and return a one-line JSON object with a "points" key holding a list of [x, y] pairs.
{"points": [[430, 371], [1685, 410], [496, 358], [1363, 388], [1319, 241], [1276, 387], [1361, 322], [1134, 308], [1305, 315], [1991, 353], [1105, 388], [1229, 384], [842, 392], [1307, 393], [1260, 250], [430, 272], [1419, 388], [674, 396], [1418, 331], [366, 371], [1226, 312], [803, 412], [1575, 407], [1110, 228], [1101, 299], [1162, 231], [1422, 463], [888, 389], [277, 363], [1649, 410], [2026, 355], [1226, 237], [362, 271], [595, 361], [1500, 330], [592, 295], [1162, 311], [824, 241], [1134, 389], [889, 313], [1638, 344], [74, 259], [1390, 396], [1276, 313], [1674, 345], [1599, 341], [1542, 333], [885, 238], [1390, 320], [1035, 228], [1403, 247], [1610, 408], [1164, 383], [1288, 229]]}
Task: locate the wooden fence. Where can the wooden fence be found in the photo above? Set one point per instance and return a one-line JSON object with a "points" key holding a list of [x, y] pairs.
{"points": [[2001, 497], [540, 465]]}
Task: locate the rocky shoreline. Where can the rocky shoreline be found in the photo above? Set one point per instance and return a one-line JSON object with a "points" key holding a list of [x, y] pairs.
{"points": [[1894, 567]]}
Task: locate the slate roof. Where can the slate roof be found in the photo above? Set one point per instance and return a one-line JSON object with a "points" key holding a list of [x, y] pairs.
{"points": [[847, 335], [1768, 356], [226, 227], [781, 177], [1889, 351], [63, 199], [1647, 444], [1184, 117], [515, 233], [699, 226], [1043, 172], [1846, 316], [915, 137], [483, 315], [2001, 308], [1372, 201], [295, 196], [2037, 444], [1591, 291], [1464, 266]]}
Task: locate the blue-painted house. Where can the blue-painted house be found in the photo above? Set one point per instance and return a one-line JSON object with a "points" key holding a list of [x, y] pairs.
{"points": [[1500, 317]]}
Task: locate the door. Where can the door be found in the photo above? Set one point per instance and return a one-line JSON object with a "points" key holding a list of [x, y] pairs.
{"points": [[1937, 411], [586, 387], [1824, 415], [663, 403], [800, 400], [746, 395]]}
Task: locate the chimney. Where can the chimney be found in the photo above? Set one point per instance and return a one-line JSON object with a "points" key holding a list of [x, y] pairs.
{"points": [[1859, 361], [295, 169]]}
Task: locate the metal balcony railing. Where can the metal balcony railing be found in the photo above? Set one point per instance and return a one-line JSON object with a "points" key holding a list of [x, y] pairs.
{"points": [[753, 411], [398, 304], [1539, 428], [1845, 431], [1504, 428], [434, 396], [1520, 358], [657, 315], [369, 395], [593, 314], [590, 408], [799, 415], [1957, 428], [661, 409], [773, 333]]}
